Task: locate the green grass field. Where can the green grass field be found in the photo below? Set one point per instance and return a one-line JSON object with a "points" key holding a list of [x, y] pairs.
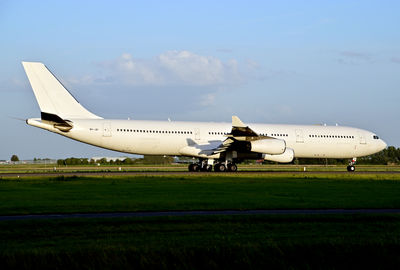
{"points": [[201, 242], [227, 242], [196, 192]]}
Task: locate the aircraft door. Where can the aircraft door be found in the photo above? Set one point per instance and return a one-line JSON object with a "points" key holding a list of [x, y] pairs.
{"points": [[107, 129], [362, 138], [299, 136], [197, 134]]}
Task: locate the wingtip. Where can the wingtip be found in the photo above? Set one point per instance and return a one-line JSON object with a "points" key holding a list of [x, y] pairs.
{"points": [[236, 122]]}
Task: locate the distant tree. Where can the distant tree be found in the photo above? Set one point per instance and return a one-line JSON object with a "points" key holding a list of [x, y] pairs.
{"points": [[127, 161], [60, 162], [14, 158], [147, 159], [103, 161], [390, 155]]}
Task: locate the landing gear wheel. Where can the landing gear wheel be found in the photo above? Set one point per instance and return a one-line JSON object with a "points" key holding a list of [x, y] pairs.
{"points": [[351, 168], [196, 167], [232, 167], [203, 168], [191, 169], [219, 167], [209, 168], [216, 167]]}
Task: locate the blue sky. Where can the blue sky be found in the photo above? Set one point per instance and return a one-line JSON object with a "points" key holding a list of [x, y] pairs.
{"points": [[300, 62]]}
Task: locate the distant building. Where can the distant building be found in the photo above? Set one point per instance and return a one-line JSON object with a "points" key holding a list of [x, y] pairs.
{"points": [[29, 161], [41, 161]]}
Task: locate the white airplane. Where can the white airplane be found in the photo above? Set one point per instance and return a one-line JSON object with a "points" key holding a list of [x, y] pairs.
{"points": [[218, 145]]}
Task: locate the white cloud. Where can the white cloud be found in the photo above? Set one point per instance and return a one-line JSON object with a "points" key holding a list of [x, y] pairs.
{"points": [[172, 68], [195, 78]]}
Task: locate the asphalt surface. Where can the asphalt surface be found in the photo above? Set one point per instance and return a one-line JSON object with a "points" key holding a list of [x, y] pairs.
{"points": [[127, 173], [203, 213]]}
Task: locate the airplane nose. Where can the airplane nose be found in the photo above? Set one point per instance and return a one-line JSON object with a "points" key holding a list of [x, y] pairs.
{"points": [[382, 145]]}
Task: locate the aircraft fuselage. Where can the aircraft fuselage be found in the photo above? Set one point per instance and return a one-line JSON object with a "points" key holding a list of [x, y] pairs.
{"points": [[169, 138]]}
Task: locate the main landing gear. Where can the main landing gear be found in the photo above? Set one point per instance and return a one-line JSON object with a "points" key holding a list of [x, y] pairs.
{"points": [[351, 167], [205, 166], [199, 167], [230, 167]]}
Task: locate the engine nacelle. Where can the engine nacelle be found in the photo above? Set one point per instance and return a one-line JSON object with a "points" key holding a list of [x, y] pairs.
{"points": [[286, 157], [268, 146]]}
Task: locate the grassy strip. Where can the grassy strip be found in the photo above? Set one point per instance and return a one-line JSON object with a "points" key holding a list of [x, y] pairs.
{"points": [[285, 242], [197, 192], [41, 168]]}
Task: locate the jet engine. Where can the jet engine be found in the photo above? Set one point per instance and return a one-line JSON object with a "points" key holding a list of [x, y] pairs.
{"points": [[268, 146], [286, 157]]}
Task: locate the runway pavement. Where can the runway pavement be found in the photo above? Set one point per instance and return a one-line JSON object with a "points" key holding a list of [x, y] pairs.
{"points": [[204, 213], [182, 173]]}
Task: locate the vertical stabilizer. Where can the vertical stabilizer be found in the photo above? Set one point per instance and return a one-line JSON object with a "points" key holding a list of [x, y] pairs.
{"points": [[53, 98]]}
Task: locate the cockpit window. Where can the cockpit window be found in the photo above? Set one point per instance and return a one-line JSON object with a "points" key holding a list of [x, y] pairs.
{"points": [[376, 137]]}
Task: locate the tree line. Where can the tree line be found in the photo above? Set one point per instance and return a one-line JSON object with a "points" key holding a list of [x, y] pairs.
{"points": [[388, 156], [127, 161]]}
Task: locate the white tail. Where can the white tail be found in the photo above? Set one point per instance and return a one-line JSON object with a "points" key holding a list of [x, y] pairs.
{"points": [[53, 98]]}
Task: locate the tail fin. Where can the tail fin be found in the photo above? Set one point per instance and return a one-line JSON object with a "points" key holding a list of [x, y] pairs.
{"points": [[54, 99]]}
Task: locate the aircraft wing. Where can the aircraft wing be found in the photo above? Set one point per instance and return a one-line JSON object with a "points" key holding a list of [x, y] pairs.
{"points": [[239, 133]]}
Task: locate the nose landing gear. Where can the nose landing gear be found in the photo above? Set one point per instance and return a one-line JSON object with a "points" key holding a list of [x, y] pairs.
{"points": [[351, 167]]}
